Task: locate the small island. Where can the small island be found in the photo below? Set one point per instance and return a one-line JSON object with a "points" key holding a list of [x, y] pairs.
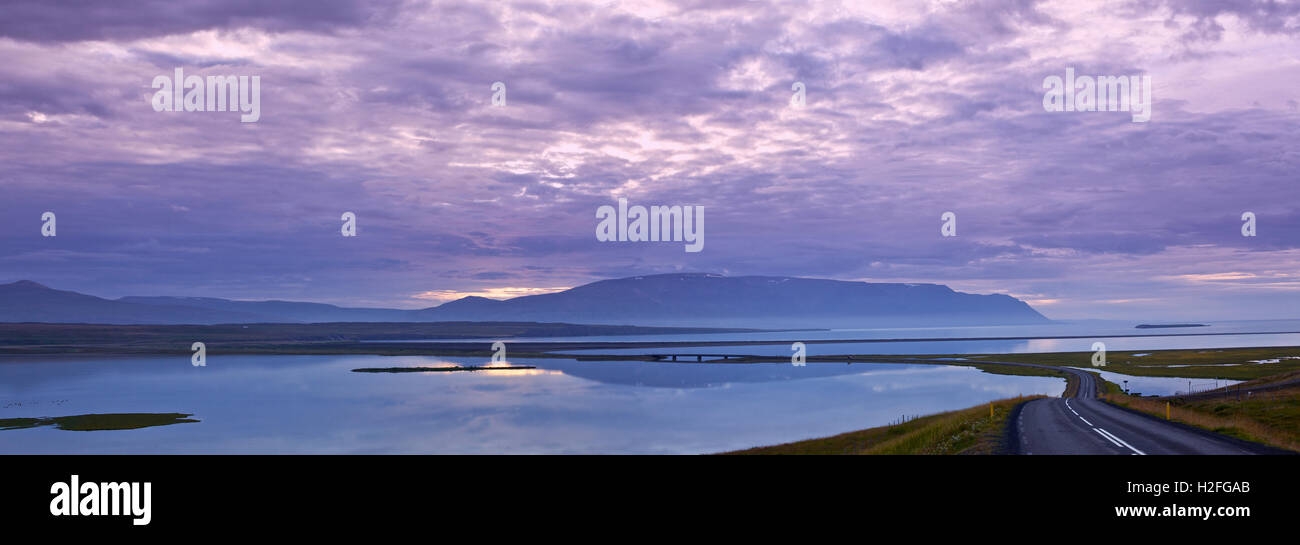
{"points": [[98, 422], [1159, 326]]}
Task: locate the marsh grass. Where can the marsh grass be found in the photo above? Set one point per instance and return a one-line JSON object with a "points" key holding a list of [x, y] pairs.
{"points": [[1227, 363]]}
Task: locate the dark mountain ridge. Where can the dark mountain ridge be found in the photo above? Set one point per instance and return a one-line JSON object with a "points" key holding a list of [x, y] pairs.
{"points": [[693, 299]]}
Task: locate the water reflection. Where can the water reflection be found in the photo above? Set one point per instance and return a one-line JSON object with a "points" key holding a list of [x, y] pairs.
{"points": [[315, 404]]}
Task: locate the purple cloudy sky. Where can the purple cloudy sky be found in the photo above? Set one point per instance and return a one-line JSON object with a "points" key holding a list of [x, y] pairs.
{"points": [[914, 108]]}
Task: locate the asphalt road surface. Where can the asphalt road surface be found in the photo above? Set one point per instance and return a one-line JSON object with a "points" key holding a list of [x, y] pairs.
{"points": [[1086, 425]]}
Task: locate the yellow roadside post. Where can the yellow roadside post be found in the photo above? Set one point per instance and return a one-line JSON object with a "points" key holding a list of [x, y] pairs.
{"points": [[1166, 410], [990, 409]]}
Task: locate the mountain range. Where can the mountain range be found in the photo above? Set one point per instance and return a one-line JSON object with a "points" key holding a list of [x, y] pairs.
{"points": [[689, 299]]}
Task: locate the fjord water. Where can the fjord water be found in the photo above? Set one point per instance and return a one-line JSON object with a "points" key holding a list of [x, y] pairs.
{"points": [[315, 404], [939, 340], [1071, 337]]}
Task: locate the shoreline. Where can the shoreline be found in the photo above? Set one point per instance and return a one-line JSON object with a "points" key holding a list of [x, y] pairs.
{"points": [[384, 338], [1194, 363], [981, 429], [77, 340]]}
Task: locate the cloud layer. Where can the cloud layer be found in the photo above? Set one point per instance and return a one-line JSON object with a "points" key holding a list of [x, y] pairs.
{"points": [[913, 109]]}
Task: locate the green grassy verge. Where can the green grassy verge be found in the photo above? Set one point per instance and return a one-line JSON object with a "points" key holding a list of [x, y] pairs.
{"points": [[965, 431], [1227, 363], [1107, 387], [1271, 417]]}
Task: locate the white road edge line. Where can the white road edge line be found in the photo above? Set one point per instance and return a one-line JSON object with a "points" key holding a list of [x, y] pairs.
{"points": [[1085, 420], [1106, 437], [1111, 435]]}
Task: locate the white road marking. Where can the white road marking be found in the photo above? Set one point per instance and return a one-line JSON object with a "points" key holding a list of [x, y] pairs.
{"points": [[1107, 437], [1076, 413], [1110, 435]]}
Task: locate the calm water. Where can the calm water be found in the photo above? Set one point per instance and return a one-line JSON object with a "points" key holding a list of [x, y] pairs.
{"points": [[1242, 334], [314, 404]]}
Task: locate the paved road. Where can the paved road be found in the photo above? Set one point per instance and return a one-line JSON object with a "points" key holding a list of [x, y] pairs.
{"points": [[1086, 425]]}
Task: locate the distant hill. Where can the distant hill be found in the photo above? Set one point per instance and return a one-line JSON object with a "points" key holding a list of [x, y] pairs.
{"points": [[27, 301], [696, 300], [750, 301], [284, 311]]}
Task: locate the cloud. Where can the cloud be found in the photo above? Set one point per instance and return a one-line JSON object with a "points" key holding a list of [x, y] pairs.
{"points": [[74, 21], [385, 110]]}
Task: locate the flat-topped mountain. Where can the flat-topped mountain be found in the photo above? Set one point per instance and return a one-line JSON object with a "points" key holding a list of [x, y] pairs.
{"points": [[756, 301], [660, 300]]}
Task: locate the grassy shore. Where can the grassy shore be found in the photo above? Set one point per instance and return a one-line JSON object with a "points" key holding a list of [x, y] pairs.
{"points": [[1261, 410], [965, 431], [1227, 363], [1016, 370]]}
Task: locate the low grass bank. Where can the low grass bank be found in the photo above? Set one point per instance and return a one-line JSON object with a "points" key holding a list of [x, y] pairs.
{"points": [[1227, 363], [1271, 417], [965, 431], [1017, 370], [1106, 387]]}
